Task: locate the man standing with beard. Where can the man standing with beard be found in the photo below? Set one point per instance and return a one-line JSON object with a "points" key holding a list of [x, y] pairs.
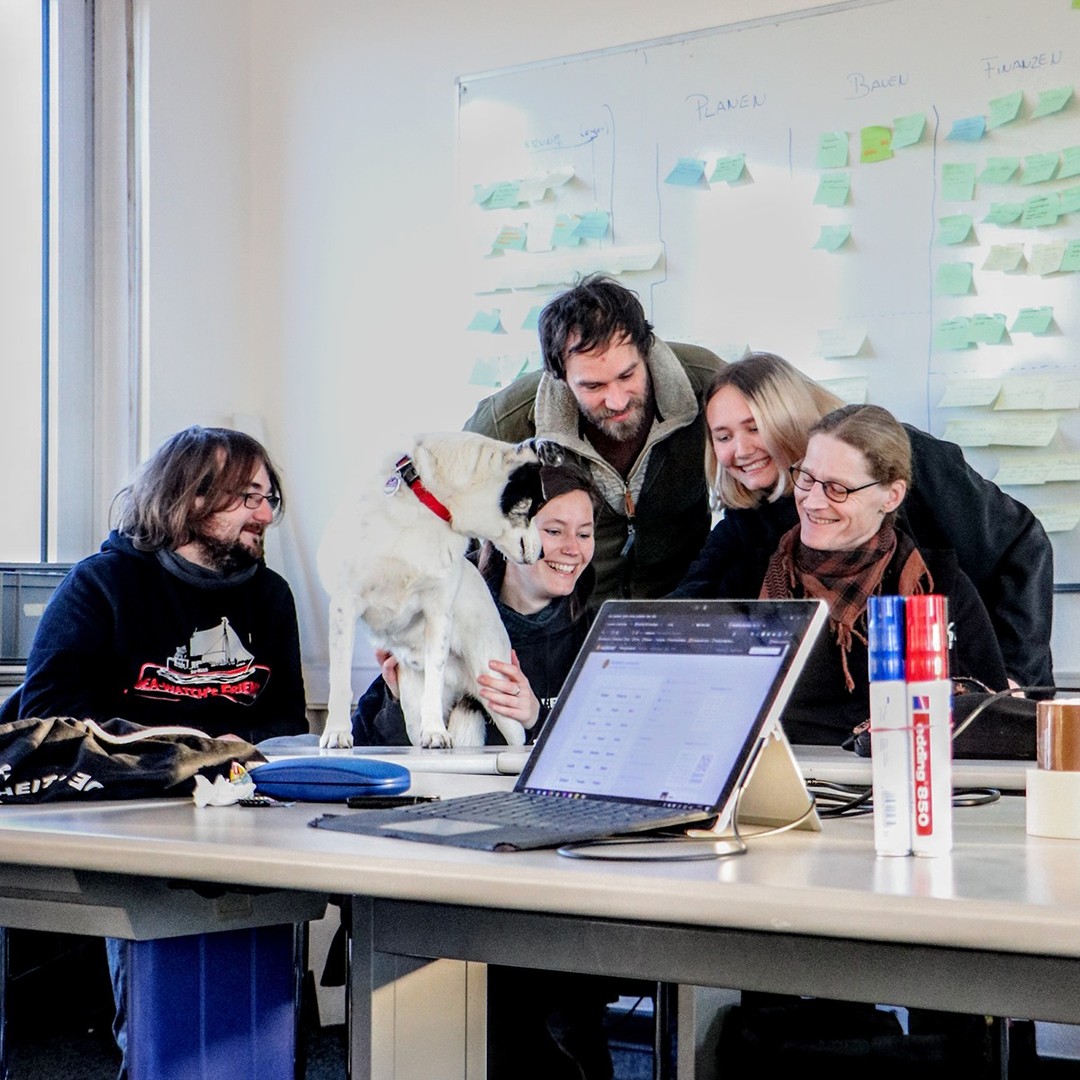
{"points": [[629, 406], [177, 619]]}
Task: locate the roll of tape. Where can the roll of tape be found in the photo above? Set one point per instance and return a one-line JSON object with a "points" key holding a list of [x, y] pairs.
{"points": [[1053, 803], [1057, 733]]}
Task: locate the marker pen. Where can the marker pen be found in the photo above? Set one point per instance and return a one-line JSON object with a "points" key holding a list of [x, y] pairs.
{"points": [[930, 712], [890, 742]]}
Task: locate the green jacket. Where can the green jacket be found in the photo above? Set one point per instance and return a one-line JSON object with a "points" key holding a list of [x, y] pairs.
{"points": [[666, 484]]}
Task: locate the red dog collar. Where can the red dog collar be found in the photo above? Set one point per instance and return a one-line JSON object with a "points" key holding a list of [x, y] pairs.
{"points": [[407, 471]]}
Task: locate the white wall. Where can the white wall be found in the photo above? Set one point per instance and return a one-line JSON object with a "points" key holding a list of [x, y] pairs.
{"points": [[303, 207]]}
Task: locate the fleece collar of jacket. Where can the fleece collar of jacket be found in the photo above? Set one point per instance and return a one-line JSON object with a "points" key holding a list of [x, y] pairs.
{"points": [[557, 415]]}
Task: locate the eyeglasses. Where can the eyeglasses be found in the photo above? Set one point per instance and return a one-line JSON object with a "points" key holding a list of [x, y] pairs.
{"points": [[834, 492], [254, 499]]}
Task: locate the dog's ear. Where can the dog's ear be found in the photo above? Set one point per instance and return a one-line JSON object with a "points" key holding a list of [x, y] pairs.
{"points": [[523, 494], [547, 451]]}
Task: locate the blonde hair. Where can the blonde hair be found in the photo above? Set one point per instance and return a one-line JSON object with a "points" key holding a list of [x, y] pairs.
{"points": [[785, 404]]}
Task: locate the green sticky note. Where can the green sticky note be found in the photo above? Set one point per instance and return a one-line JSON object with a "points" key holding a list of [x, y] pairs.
{"points": [[1004, 257], [510, 238], [953, 279], [1039, 168], [1004, 213], [875, 144], [953, 333], [688, 172], [832, 150], [833, 237], [564, 233], [999, 170], [954, 229], [728, 169], [503, 196], [487, 322], [957, 181], [1070, 261], [1003, 110], [593, 225], [1070, 162], [908, 130], [833, 189], [987, 329], [1069, 200], [1033, 320], [1051, 101], [1040, 210], [532, 318], [967, 129]]}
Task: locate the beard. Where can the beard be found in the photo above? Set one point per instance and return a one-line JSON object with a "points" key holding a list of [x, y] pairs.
{"points": [[640, 416], [229, 556]]}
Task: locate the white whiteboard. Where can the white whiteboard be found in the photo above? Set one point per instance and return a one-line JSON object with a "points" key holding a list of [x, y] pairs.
{"points": [[735, 264]]}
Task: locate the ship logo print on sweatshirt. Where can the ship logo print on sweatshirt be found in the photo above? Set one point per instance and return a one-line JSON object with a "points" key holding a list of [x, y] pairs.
{"points": [[214, 663]]}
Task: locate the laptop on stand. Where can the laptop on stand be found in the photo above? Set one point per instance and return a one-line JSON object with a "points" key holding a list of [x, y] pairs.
{"points": [[668, 710]]}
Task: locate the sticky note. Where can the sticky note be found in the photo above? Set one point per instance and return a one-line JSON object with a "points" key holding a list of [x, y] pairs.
{"points": [[1040, 210], [1003, 213], [999, 170], [953, 279], [908, 130], [1055, 519], [1032, 320], [593, 225], [688, 172], [1069, 200], [564, 233], [487, 322], [1046, 258], [532, 318], [833, 189], [1004, 110], [1027, 430], [1051, 101], [833, 237], [504, 195], [510, 238], [1006, 257], [832, 150], [957, 181], [841, 341], [955, 228], [967, 129], [1070, 261], [953, 333], [987, 329], [728, 169], [496, 371], [1022, 471], [852, 390], [961, 393], [875, 144], [1039, 168], [1020, 392], [1070, 162]]}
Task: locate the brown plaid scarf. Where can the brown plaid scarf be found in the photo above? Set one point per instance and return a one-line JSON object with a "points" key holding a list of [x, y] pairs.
{"points": [[844, 579]]}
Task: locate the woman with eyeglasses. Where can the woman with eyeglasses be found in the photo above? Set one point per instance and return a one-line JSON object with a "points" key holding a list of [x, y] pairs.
{"points": [[759, 412]]}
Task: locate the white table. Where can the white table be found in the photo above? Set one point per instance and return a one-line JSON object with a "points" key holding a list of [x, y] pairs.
{"points": [[994, 927]]}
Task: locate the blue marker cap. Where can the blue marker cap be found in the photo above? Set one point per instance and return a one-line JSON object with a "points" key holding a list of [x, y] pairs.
{"points": [[885, 623]]}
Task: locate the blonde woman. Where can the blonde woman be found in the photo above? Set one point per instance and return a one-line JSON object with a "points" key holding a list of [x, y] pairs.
{"points": [[759, 412]]}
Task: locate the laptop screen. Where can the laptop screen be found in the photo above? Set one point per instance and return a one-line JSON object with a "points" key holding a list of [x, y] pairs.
{"points": [[668, 699]]}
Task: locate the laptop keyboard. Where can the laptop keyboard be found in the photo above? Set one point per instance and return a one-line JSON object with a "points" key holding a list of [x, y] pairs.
{"points": [[540, 811]]}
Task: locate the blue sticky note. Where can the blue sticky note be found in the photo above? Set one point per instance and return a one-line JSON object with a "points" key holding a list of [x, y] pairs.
{"points": [[689, 172], [833, 237], [487, 322], [968, 129], [593, 225], [953, 334], [565, 233], [532, 319], [832, 151]]}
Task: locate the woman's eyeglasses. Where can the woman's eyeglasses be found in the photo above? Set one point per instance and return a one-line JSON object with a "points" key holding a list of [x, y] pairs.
{"points": [[834, 492]]}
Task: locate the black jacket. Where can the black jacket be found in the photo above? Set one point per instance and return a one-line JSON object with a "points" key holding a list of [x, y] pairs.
{"points": [[125, 636], [998, 542]]}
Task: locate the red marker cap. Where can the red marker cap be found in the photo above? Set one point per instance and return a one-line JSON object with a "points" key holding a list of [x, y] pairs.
{"points": [[927, 624]]}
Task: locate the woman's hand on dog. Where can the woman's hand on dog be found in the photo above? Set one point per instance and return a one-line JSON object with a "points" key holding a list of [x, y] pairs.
{"points": [[508, 692]]}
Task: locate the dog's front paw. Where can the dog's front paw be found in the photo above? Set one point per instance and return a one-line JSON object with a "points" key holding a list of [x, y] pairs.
{"points": [[336, 740], [438, 740]]}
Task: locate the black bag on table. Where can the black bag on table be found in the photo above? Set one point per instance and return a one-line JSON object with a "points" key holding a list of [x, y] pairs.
{"points": [[60, 758]]}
